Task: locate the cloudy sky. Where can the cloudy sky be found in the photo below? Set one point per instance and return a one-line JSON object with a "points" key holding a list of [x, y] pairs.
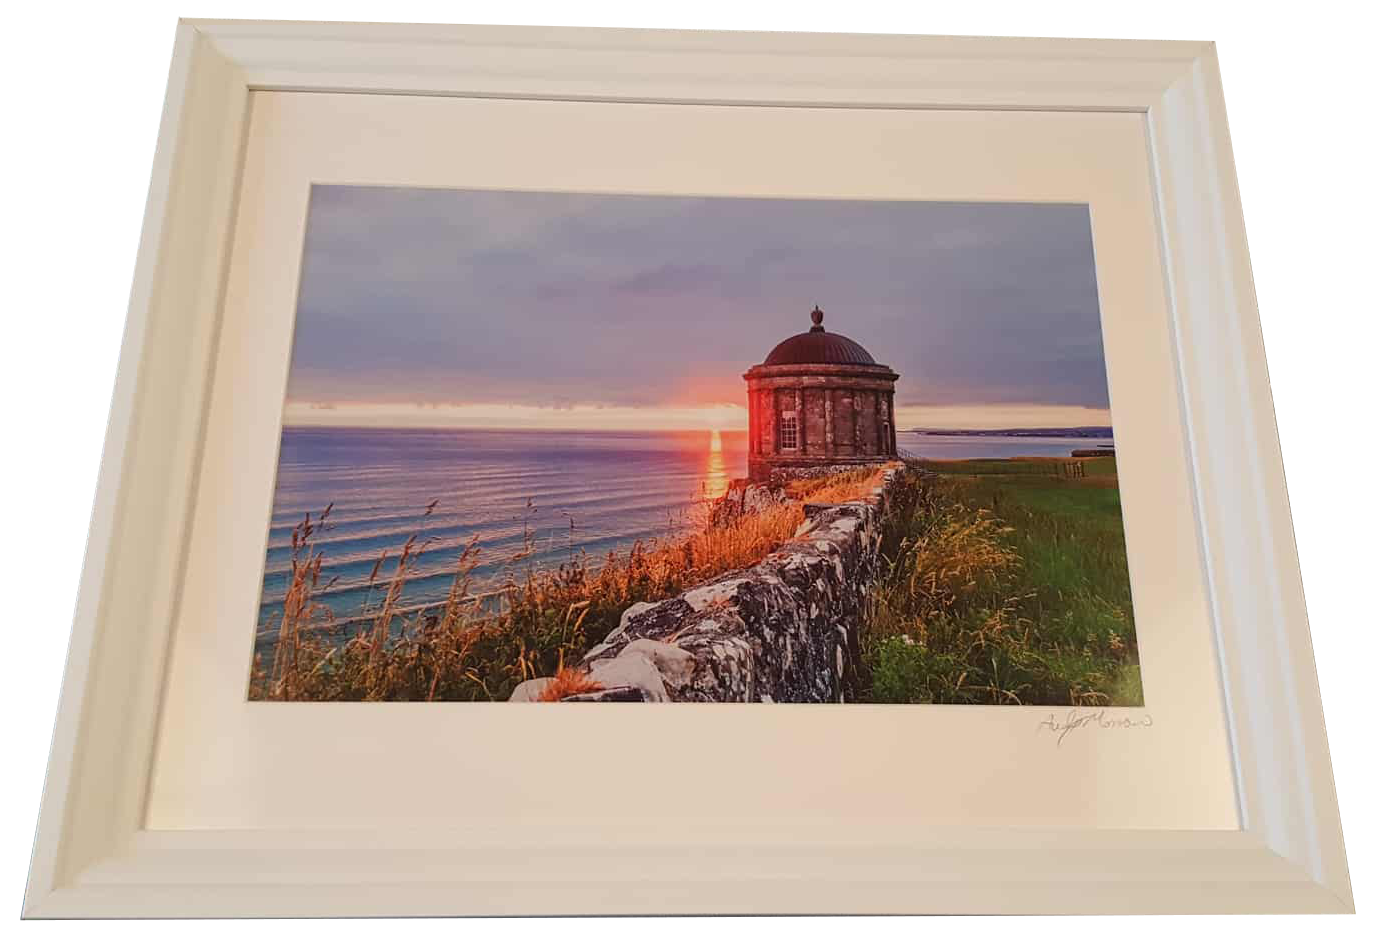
{"points": [[488, 308]]}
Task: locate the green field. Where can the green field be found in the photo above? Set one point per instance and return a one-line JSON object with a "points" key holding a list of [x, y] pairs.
{"points": [[1005, 582], [1021, 466]]}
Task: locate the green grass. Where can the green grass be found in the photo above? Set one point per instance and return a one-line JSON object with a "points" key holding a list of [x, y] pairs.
{"points": [[1003, 585], [1094, 466]]}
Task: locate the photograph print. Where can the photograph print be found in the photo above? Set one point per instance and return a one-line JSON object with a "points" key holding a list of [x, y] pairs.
{"points": [[570, 447]]}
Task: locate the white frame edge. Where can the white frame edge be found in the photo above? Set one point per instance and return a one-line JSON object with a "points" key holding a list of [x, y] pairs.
{"points": [[92, 857]]}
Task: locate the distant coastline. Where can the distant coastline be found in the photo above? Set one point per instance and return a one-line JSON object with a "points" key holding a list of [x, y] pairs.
{"points": [[1087, 433]]}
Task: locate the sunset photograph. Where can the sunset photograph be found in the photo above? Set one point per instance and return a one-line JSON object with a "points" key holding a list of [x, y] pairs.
{"points": [[568, 447]]}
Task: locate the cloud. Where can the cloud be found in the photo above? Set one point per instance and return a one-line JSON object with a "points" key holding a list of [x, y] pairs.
{"points": [[672, 279], [451, 296]]}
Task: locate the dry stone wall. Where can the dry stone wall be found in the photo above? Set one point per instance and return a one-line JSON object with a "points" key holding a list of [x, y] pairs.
{"points": [[784, 630]]}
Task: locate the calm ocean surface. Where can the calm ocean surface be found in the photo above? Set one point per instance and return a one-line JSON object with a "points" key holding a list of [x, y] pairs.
{"points": [[565, 491]]}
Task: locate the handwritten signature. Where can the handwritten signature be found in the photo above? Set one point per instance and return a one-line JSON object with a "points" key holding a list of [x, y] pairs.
{"points": [[1076, 720]]}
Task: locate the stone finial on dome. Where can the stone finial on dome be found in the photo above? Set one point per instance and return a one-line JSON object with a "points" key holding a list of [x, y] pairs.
{"points": [[817, 316]]}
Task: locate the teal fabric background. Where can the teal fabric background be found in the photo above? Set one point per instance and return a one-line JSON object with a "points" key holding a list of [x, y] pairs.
{"points": [[88, 115]]}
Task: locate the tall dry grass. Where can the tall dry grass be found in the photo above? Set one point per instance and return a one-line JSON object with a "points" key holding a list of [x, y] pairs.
{"points": [[545, 619]]}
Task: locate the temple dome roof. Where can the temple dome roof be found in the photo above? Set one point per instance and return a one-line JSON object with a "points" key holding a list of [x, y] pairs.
{"points": [[818, 346]]}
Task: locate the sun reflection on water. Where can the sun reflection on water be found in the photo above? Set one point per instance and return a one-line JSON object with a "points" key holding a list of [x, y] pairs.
{"points": [[715, 476]]}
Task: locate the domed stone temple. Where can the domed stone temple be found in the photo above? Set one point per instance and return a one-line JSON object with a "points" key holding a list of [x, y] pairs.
{"points": [[818, 399]]}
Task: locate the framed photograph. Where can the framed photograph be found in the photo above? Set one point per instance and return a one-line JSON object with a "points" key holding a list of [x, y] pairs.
{"points": [[877, 407]]}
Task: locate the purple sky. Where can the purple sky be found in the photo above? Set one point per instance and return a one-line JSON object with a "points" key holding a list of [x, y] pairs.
{"points": [[450, 296]]}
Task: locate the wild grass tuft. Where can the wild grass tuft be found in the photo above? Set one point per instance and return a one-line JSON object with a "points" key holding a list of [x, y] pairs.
{"points": [[543, 620], [568, 682], [1002, 589]]}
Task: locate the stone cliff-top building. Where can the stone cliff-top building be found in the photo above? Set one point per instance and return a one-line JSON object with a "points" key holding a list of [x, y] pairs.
{"points": [[819, 399]]}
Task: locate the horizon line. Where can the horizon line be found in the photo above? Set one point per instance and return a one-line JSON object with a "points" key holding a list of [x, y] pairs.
{"points": [[605, 430], [723, 416]]}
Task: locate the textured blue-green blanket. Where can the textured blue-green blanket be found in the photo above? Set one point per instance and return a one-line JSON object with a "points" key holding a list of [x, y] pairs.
{"points": [[88, 113]]}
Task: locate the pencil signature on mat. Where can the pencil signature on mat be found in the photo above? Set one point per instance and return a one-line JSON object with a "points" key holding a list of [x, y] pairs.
{"points": [[1094, 720]]}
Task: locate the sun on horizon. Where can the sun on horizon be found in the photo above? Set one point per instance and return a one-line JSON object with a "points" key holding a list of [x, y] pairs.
{"points": [[717, 418]]}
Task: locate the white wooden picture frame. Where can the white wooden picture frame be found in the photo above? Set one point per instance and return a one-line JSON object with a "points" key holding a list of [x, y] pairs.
{"points": [[94, 854]]}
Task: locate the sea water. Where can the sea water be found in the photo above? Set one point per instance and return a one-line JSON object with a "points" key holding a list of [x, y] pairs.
{"points": [[548, 496]]}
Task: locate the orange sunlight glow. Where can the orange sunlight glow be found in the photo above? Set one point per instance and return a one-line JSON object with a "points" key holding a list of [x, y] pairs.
{"points": [[715, 476], [718, 417], [722, 417]]}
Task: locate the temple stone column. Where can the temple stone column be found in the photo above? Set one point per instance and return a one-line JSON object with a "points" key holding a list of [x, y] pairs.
{"points": [[856, 422], [768, 422], [894, 433], [878, 416], [755, 412], [828, 421]]}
